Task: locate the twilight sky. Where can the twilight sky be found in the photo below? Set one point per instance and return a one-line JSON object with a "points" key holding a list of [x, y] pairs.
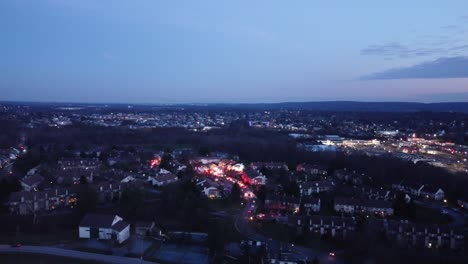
{"points": [[205, 51]]}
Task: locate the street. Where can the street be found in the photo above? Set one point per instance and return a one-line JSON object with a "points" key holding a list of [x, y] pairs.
{"points": [[244, 226], [458, 217], [71, 254]]}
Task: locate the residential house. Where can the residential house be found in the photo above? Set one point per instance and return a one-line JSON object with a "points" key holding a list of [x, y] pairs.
{"points": [[256, 177], [337, 227], [282, 203], [314, 169], [127, 179], [281, 253], [351, 177], [204, 160], [378, 194], [104, 227], [4, 158], [212, 192], [163, 177], [31, 183], [107, 191], [83, 163], [316, 187], [255, 250], [430, 192], [346, 205], [408, 234], [311, 204], [210, 188], [181, 152], [383, 208], [143, 229], [351, 206], [269, 165], [421, 190], [24, 203], [176, 166], [413, 189], [259, 180], [73, 175]]}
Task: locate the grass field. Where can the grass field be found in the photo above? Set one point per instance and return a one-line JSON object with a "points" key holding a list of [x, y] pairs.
{"points": [[171, 253], [25, 258], [40, 238]]}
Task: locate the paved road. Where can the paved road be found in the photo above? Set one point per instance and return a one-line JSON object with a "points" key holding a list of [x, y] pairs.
{"points": [[459, 218], [243, 226], [71, 254]]}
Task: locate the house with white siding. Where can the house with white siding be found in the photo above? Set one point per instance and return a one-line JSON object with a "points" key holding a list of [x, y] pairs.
{"points": [[351, 206], [163, 177], [421, 190], [104, 227]]}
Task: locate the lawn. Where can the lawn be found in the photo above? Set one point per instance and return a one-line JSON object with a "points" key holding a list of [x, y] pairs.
{"points": [[39, 238], [282, 232], [426, 215], [173, 253], [95, 250], [275, 230], [217, 205]]}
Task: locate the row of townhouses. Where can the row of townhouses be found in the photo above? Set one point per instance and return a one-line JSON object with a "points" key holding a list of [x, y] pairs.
{"points": [[29, 202], [429, 236], [422, 190], [25, 202], [351, 206], [337, 227]]}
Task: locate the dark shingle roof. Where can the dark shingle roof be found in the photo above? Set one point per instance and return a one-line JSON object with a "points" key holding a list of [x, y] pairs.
{"points": [[31, 180], [346, 201], [377, 204], [97, 220], [119, 226]]}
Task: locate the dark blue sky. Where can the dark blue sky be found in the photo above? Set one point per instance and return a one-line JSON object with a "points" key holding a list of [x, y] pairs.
{"points": [[233, 51]]}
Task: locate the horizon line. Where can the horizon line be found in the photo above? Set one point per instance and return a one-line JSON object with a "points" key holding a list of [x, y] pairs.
{"points": [[226, 103]]}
